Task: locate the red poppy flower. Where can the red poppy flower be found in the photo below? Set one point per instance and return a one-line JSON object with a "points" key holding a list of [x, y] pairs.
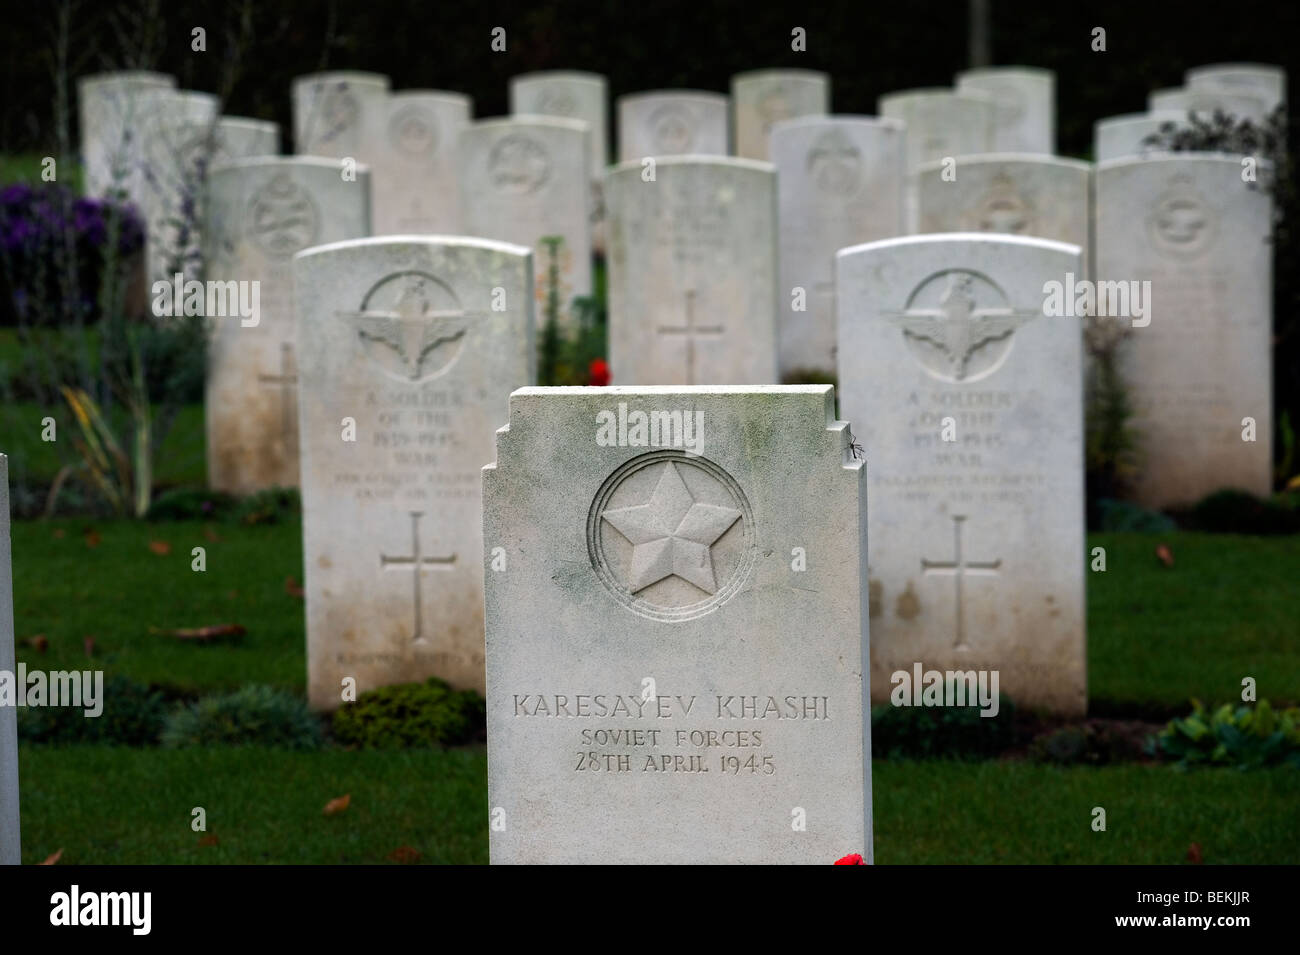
{"points": [[598, 373], [854, 859]]}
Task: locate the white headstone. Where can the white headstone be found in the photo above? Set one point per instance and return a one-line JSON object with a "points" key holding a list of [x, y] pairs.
{"points": [[672, 123], [112, 112], [572, 95], [676, 654], [260, 212], [238, 137], [525, 180], [1189, 225], [414, 343], [413, 172], [762, 98], [1254, 79], [1025, 121], [692, 272], [1207, 102], [178, 135], [1125, 135], [969, 403], [839, 183], [333, 114], [940, 124], [10, 847], [1013, 194]]}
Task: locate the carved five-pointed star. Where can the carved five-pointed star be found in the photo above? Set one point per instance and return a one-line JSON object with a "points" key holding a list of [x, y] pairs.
{"points": [[672, 533]]}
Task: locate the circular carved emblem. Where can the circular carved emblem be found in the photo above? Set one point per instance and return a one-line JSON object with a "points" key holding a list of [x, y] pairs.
{"points": [[1003, 209], [411, 326], [282, 218], [671, 535], [553, 101], [1179, 224], [958, 325], [339, 111], [671, 131], [413, 131], [835, 164], [518, 164]]}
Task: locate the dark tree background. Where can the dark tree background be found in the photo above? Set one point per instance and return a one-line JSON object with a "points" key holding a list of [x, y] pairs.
{"points": [[868, 48]]}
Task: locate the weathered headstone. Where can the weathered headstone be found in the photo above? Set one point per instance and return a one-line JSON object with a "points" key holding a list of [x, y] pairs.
{"points": [[238, 137], [1014, 194], [573, 95], [672, 123], [260, 212], [1126, 135], [113, 110], [762, 98], [1254, 79], [414, 344], [413, 173], [1203, 364], [1207, 102], [525, 180], [334, 114], [1025, 119], [692, 272], [969, 400], [940, 124], [10, 848], [178, 136], [839, 183], [677, 638]]}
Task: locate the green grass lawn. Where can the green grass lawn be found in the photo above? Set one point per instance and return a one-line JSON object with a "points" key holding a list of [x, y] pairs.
{"points": [[1157, 636], [106, 805]]}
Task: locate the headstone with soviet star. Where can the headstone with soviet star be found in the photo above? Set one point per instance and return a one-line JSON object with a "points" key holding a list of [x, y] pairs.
{"points": [[676, 628], [967, 399], [407, 351]]}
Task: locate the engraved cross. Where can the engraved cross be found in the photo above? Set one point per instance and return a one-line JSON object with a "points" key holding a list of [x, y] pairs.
{"points": [[958, 568], [287, 378], [690, 330], [417, 563]]}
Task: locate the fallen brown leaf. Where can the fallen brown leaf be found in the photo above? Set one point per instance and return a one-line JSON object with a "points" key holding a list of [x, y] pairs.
{"points": [[88, 644], [202, 634], [53, 859], [161, 548], [1165, 554], [293, 588], [336, 806], [211, 534], [208, 840], [404, 854], [59, 533], [92, 538], [40, 642], [1194, 853]]}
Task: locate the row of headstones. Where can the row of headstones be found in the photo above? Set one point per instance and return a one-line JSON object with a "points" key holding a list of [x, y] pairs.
{"points": [[1241, 90]]}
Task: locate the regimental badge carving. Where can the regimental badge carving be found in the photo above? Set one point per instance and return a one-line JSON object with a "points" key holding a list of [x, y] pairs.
{"points": [[556, 101], [339, 111], [1003, 209], [958, 326], [1179, 224], [835, 164], [411, 326], [518, 164], [672, 131], [282, 218], [413, 132], [671, 535]]}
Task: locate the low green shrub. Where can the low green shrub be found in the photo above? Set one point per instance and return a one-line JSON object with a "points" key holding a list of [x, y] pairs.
{"points": [[251, 716], [414, 715], [192, 504], [1237, 512], [132, 715], [1088, 744], [921, 732], [1246, 737]]}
